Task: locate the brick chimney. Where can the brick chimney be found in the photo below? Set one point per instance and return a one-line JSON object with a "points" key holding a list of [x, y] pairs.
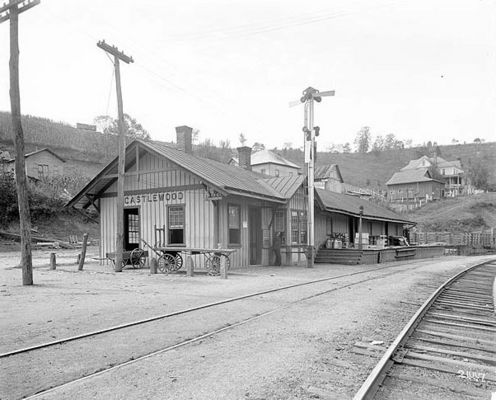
{"points": [[184, 138], [244, 154]]}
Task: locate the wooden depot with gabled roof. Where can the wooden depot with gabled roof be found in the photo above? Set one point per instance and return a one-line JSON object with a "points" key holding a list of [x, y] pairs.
{"points": [[174, 199], [197, 202]]}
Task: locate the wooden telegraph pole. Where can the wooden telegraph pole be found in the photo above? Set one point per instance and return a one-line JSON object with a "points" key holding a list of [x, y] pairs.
{"points": [[119, 240], [11, 12]]}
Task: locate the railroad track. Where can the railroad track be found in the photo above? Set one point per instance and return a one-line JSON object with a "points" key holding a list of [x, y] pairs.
{"points": [[25, 355], [448, 349]]}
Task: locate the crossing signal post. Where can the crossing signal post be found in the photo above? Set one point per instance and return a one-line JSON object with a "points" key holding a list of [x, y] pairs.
{"points": [[10, 11], [119, 240], [310, 132]]}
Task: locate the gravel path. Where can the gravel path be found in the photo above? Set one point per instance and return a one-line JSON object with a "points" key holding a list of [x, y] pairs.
{"points": [[303, 350]]}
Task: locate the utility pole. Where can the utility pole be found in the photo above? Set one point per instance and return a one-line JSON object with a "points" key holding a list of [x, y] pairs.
{"points": [[11, 12], [309, 96], [119, 240]]}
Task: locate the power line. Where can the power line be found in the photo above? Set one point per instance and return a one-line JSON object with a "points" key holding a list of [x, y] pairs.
{"points": [[270, 26], [110, 91]]}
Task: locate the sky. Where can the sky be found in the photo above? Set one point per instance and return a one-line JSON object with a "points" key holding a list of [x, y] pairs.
{"points": [[423, 70]]}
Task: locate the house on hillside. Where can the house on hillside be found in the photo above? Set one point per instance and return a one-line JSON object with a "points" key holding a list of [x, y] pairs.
{"points": [[174, 198], [414, 186], [451, 172], [40, 164], [328, 177], [266, 162]]}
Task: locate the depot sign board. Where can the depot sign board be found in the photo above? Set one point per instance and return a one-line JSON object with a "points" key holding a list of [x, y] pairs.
{"points": [[167, 197]]}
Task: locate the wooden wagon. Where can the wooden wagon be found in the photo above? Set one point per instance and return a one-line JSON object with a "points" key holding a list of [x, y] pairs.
{"points": [[136, 258], [171, 258]]}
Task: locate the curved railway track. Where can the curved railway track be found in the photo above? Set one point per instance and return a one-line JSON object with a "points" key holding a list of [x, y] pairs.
{"points": [[45, 387], [448, 349]]}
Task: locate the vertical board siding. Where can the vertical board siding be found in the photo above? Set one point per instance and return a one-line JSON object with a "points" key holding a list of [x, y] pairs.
{"points": [[340, 223], [320, 228], [108, 217], [241, 258], [377, 228], [297, 202], [199, 223]]}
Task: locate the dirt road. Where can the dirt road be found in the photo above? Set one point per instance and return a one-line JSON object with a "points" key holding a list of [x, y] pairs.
{"points": [[300, 350]]}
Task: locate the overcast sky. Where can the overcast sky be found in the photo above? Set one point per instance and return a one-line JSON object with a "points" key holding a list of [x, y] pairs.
{"points": [[421, 69]]}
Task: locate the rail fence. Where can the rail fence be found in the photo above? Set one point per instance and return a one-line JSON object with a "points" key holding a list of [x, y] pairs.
{"points": [[485, 239]]}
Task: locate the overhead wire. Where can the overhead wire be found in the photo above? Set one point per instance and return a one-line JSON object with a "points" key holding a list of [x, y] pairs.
{"points": [[151, 55], [242, 31], [110, 91]]}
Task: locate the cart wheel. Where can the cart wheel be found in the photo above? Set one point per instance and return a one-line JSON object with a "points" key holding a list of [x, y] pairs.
{"points": [[208, 263], [137, 258], [213, 263], [179, 262], [166, 263]]}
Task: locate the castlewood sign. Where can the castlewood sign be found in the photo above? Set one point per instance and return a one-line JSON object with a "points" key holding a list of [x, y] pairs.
{"points": [[166, 197]]}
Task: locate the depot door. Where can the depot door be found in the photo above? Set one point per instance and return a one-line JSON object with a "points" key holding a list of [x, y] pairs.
{"points": [[255, 234], [131, 228]]}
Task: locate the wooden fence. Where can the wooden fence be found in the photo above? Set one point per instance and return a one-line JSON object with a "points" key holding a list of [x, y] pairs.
{"points": [[476, 239]]}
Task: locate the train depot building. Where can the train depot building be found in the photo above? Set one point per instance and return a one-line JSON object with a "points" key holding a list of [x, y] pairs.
{"points": [[174, 198]]}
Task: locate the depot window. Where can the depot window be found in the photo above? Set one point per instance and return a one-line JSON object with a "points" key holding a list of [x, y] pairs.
{"points": [[298, 227], [176, 224], [234, 224]]}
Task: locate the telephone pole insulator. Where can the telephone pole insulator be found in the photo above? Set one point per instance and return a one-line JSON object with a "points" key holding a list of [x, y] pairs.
{"points": [[7, 8], [115, 52]]}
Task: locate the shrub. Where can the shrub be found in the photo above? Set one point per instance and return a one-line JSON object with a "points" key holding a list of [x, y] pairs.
{"points": [[46, 197], [8, 198]]}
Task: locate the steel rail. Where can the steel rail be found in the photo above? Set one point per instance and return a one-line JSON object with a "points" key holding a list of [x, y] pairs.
{"points": [[371, 385], [184, 311], [203, 336]]}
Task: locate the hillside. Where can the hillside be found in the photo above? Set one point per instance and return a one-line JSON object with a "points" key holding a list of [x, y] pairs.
{"points": [[58, 227], [90, 151], [374, 169], [462, 214]]}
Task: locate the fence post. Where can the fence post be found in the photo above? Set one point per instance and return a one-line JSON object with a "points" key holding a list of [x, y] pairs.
{"points": [[83, 252], [53, 261], [223, 267], [189, 264], [153, 266]]}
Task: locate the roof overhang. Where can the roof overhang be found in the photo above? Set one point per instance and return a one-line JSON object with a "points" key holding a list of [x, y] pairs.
{"points": [[105, 178], [335, 210]]}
